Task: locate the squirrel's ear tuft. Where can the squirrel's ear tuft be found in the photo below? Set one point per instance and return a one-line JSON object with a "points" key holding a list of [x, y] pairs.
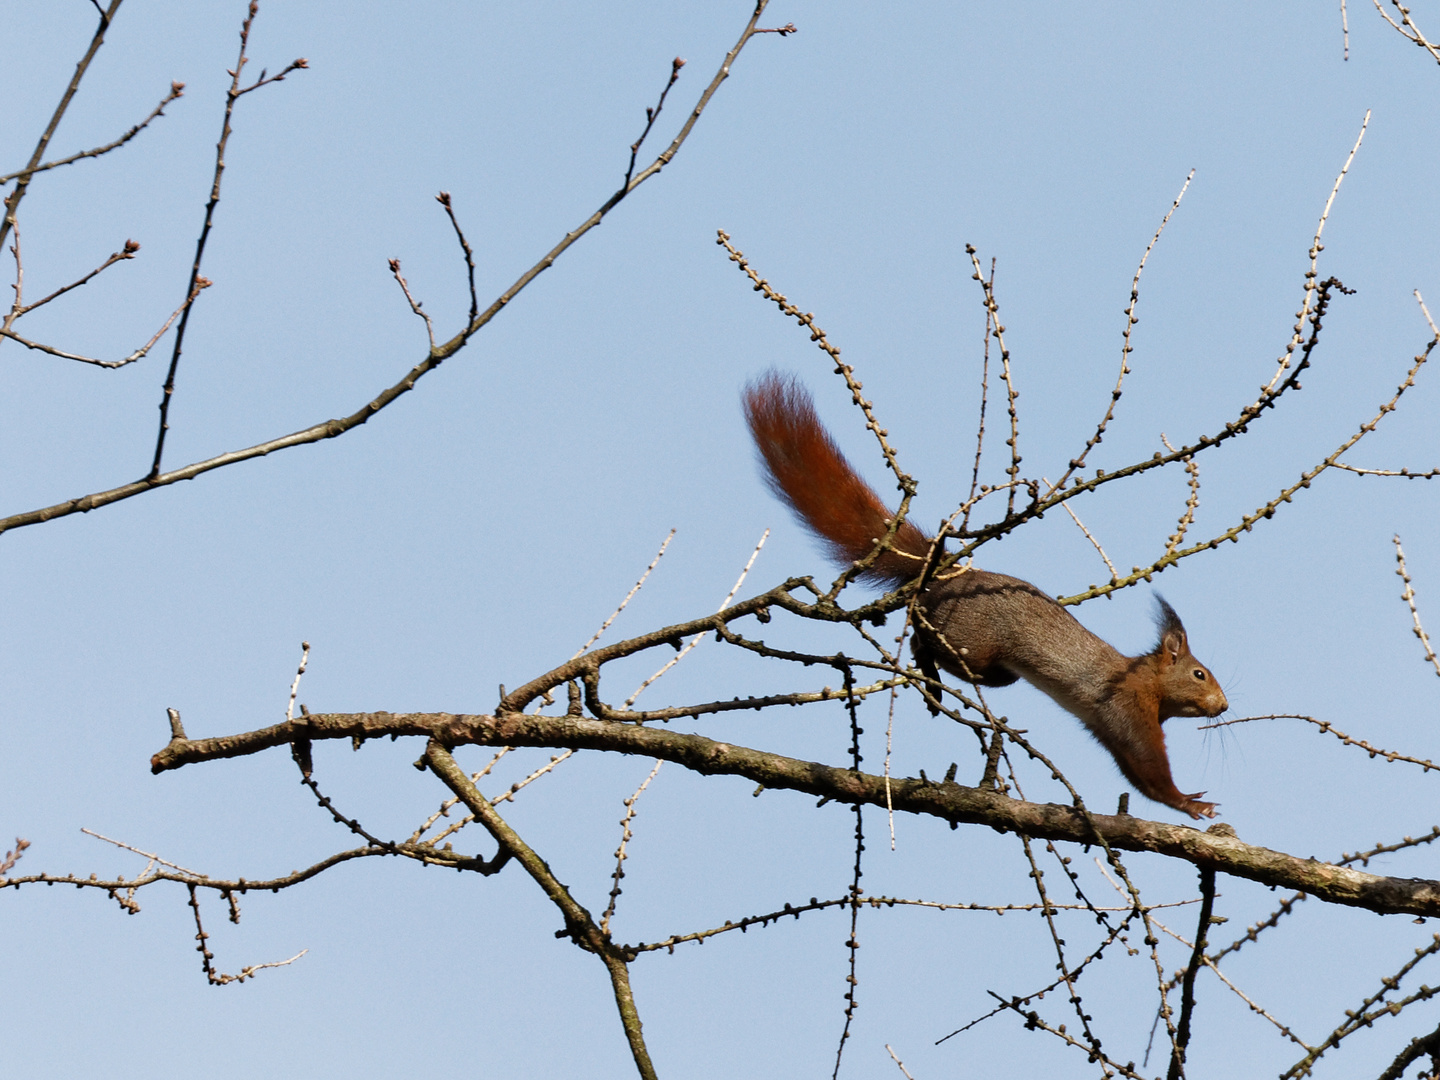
{"points": [[1165, 617], [1172, 630]]}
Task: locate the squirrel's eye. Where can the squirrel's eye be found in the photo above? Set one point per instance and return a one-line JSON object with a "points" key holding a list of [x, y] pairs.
{"points": [[1199, 673]]}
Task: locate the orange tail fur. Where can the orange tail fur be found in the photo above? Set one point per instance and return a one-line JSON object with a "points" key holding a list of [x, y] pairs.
{"points": [[806, 469]]}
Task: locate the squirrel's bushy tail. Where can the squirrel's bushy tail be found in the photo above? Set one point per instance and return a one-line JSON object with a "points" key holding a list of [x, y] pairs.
{"points": [[806, 469]]}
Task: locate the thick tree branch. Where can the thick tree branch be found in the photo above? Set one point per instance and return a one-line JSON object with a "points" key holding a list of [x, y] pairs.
{"points": [[580, 925], [1216, 849]]}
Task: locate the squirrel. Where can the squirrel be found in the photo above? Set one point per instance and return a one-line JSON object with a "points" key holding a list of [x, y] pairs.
{"points": [[987, 628]]}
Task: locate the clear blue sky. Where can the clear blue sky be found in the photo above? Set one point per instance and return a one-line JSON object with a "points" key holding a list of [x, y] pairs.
{"points": [[478, 531]]}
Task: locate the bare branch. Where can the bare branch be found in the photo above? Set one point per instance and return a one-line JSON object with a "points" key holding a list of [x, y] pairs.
{"points": [[1130, 320], [948, 801], [444, 200], [651, 115], [628, 596], [177, 90], [126, 252], [12, 203], [1327, 728], [1409, 597], [414, 304], [192, 290], [1407, 28], [330, 429], [580, 927]]}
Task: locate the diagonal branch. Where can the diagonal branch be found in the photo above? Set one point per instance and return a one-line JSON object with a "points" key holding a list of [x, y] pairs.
{"points": [[177, 90], [13, 202], [580, 926]]}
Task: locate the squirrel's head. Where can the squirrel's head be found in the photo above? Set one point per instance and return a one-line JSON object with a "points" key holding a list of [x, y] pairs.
{"points": [[1188, 687]]}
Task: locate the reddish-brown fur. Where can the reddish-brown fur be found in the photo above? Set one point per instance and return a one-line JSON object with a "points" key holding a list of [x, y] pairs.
{"points": [[988, 628], [806, 470]]}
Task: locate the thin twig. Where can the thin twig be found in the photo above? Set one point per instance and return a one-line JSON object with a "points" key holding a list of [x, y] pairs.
{"points": [[12, 203], [852, 942], [984, 399], [177, 90], [1328, 728], [993, 313], [890, 725], [415, 305], [444, 200], [1304, 314], [620, 853], [898, 1062], [651, 115], [806, 319], [1409, 597], [1426, 312], [1408, 474], [628, 596], [1114, 574], [701, 636], [295, 686], [1192, 501], [1125, 350], [126, 252], [1408, 29], [144, 854], [192, 290]]}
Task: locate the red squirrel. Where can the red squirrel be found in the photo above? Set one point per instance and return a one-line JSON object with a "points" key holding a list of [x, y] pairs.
{"points": [[986, 628]]}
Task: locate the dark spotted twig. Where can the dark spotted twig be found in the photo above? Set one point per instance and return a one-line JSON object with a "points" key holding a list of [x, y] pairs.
{"points": [[1187, 985], [620, 853], [651, 115], [218, 978], [444, 200], [192, 290], [852, 942]]}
